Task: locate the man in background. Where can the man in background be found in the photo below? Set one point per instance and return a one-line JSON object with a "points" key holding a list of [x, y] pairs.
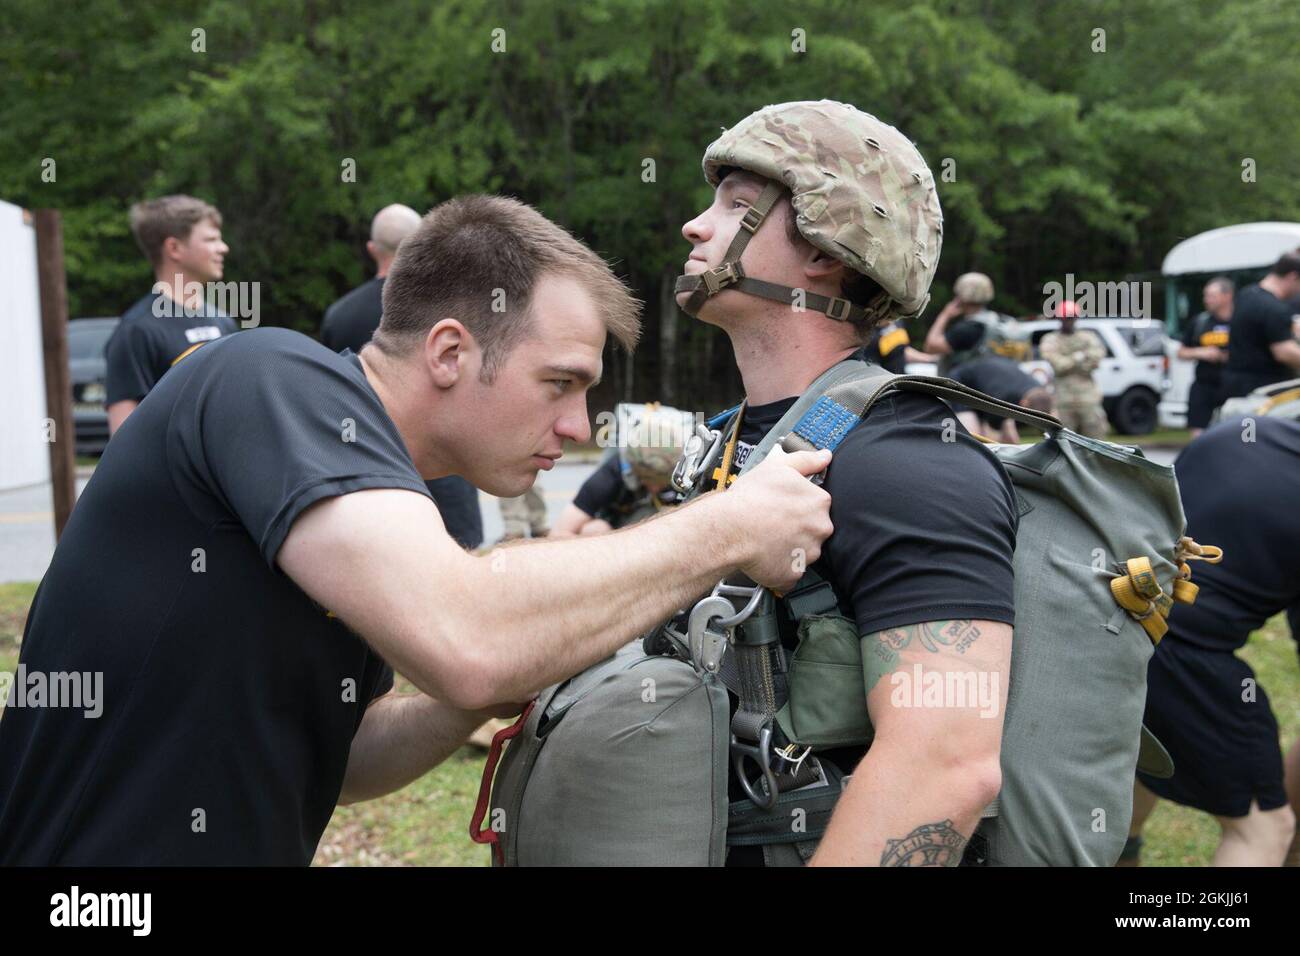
{"points": [[1206, 342], [181, 238], [1001, 378], [1074, 354], [351, 321], [1264, 347]]}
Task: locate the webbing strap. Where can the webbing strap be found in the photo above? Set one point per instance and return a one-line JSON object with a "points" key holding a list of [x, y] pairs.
{"points": [[1139, 593], [710, 283]]}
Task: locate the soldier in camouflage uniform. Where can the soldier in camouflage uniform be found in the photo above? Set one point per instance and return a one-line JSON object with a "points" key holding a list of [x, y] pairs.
{"points": [[1074, 354]]}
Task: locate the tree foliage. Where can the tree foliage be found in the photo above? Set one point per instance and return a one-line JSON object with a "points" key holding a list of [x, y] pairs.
{"points": [[1061, 157]]}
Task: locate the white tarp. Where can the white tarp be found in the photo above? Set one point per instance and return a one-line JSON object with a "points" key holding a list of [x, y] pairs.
{"points": [[24, 453], [1249, 245]]}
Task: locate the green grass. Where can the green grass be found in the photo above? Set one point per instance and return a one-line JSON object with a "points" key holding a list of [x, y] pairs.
{"points": [[1179, 836], [427, 823], [1161, 436], [15, 599]]}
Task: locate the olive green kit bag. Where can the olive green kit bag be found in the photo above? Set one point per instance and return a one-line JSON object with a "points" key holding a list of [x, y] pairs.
{"points": [[628, 762]]}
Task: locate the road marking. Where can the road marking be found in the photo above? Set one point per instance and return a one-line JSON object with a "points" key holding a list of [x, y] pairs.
{"points": [[26, 517]]}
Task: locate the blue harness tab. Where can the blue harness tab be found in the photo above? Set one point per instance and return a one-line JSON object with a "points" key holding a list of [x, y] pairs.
{"points": [[825, 424], [720, 419]]}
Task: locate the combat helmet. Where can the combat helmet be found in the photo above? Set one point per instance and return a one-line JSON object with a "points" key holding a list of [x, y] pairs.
{"points": [[861, 193]]}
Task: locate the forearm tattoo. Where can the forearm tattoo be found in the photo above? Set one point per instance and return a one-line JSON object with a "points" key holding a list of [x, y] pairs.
{"points": [[931, 844]]}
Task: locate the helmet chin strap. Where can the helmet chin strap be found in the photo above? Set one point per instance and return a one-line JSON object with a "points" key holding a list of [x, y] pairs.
{"points": [[731, 275]]}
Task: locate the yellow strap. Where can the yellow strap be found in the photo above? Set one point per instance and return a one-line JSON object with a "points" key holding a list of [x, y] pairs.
{"points": [[1189, 550], [728, 455], [197, 345], [1185, 591], [1144, 579], [1275, 400]]}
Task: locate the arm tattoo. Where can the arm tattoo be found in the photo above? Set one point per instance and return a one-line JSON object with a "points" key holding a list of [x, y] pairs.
{"points": [[932, 635], [930, 844]]}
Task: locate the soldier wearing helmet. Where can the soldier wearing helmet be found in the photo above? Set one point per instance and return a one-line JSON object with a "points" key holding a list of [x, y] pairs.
{"points": [[966, 327], [824, 224], [633, 480], [1074, 355]]}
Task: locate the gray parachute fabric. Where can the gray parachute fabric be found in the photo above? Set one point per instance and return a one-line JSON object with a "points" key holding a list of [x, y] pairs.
{"points": [[623, 765]]}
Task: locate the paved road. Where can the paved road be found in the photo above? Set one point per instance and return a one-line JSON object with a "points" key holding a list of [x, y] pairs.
{"points": [[27, 516]]}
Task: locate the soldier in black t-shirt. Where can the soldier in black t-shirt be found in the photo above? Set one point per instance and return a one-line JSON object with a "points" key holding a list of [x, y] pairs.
{"points": [[925, 517], [1206, 340], [351, 321], [1264, 346], [1240, 484], [1005, 380], [257, 549], [181, 237]]}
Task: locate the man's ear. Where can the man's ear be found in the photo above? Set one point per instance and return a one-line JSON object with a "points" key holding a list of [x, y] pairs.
{"points": [[822, 265], [445, 351]]}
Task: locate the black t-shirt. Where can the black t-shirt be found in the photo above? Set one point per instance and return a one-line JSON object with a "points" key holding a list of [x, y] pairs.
{"points": [[1205, 330], [925, 528], [146, 344], [351, 321], [995, 375], [605, 495], [1242, 496], [888, 348], [229, 698], [1259, 319]]}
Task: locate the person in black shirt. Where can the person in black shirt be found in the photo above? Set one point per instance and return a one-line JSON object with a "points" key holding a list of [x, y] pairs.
{"points": [[633, 481], [1239, 483], [1206, 341], [1264, 347], [351, 321], [889, 348], [257, 548], [924, 515], [181, 238], [1004, 379]]}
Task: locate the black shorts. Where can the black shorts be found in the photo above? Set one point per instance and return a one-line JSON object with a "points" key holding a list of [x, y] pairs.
{"points": [[1202, 400], [1226, 750]]}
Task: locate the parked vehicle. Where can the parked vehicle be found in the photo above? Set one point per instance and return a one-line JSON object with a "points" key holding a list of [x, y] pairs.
{"points": [[1132, 376], [87, 366]]}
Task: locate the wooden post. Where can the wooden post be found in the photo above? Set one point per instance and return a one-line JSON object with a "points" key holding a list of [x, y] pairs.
{"points": [[58, 384]]}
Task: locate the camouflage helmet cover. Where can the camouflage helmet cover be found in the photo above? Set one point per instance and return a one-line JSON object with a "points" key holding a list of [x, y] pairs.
{"points": [[655, 440], [861, 191], [973, 287]]}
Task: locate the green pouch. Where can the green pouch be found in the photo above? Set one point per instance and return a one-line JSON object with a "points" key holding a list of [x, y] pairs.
{"points": [[827, 706]]}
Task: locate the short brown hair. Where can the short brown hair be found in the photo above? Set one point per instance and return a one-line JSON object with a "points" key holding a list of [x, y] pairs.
{"points": [[473, 251], [154, 221]]}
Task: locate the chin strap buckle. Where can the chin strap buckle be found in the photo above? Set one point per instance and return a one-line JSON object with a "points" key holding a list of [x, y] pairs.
{"points": [[715, 280]]}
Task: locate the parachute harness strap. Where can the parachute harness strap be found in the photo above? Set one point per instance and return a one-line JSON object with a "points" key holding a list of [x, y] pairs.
{"points": [[1137, 591], [477, 832]]}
